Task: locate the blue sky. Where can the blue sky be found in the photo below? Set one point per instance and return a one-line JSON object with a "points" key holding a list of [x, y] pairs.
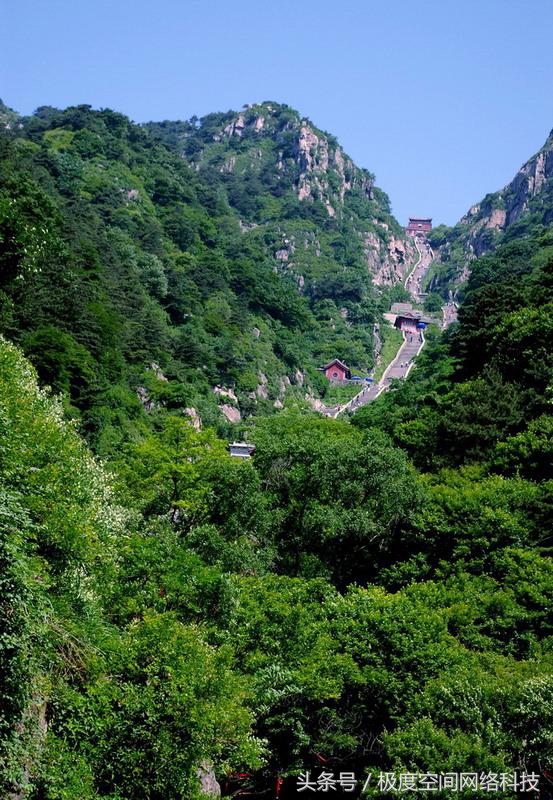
{"points": [[442, 99]]}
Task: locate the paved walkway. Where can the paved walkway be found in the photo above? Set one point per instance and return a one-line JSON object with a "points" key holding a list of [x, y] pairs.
{"points": [[403, 362], [413, 343], [413, 282], [449, 311], [450, 315]]}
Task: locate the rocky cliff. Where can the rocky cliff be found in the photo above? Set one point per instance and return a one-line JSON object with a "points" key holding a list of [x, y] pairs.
{"points": [[514, 211], [528, 194]]}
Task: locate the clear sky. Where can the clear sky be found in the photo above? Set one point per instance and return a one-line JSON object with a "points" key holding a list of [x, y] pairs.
{"points": [[442, 99]]}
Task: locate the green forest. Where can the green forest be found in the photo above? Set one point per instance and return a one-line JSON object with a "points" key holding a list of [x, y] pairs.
{"points": [[119, 255], [369, 594]]}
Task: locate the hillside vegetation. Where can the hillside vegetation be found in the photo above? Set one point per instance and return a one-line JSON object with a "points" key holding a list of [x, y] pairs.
{"points": [[123, 266], [370, 594]]}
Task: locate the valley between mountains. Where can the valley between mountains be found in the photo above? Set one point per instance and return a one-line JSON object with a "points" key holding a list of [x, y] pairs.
{"points": [[230, 565]]}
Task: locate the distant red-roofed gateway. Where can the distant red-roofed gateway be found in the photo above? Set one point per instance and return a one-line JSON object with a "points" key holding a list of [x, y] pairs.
{"points": [[417, 225]]}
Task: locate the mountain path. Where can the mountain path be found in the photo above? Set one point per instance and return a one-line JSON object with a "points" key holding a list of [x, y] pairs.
{"points": [[404, 360]]}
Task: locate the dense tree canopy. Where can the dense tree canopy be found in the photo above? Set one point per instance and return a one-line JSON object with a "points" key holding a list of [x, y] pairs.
{"points": [[115, 254], [365, 594]]}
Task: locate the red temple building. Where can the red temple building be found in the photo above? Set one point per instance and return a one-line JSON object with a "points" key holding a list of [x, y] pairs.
{"points": [[417, 225], [336, 370]]}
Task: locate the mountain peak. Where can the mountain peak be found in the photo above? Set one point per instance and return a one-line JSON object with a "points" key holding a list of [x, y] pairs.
{"points": [[277, 167]]}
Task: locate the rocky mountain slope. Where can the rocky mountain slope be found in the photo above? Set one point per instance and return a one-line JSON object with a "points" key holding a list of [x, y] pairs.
{"points": [[283, 174], [209, 265], [522, 207]]}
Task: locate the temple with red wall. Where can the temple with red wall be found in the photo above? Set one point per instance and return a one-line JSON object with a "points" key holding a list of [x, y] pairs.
{"points": [[417, 225], [336, 371]]}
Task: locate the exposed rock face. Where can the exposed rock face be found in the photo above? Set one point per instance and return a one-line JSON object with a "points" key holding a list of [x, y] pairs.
{"points": [[315, 403], [388, 257], [479, 231], [236, 127], [229, 164], [144, 398], [282, 255], [283, 384], [389, 260], [223, 392], [318, 158], [195, 420], [529, 182], [400, 256], [373, 252], [311, 158], [156, 369], [497, 219], [299, 377], [262, 391], [209, 786], [9, 119], [231, 412]]}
